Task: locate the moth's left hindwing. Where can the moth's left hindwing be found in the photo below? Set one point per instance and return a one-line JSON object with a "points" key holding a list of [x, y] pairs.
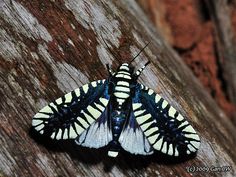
{"points": [[165, 129], [69, 116]]}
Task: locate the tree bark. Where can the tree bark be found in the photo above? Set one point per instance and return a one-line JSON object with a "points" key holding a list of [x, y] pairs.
{"points": [[49, 48], [220, 13], [203, 33]]}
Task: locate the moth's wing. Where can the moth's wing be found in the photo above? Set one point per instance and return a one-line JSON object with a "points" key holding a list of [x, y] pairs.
{"points": [[99, 133], [165, 128], [72, 114], [132, 138]]}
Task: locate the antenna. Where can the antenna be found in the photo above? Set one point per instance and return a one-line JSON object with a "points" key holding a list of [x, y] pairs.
{"points": [[139, 53]]}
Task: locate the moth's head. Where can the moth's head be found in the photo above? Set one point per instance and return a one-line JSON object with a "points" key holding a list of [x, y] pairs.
{"points": [[126, 67]]}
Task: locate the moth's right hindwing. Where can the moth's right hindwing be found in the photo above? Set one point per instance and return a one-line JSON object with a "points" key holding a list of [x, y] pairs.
{"points": [[70, 115]]}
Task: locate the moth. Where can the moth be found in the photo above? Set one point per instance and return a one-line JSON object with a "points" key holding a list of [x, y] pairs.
{"points": [[120, 113]]}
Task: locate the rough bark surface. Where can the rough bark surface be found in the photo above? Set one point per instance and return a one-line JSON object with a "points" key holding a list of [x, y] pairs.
{"points": [[203, 33], [49, 48]]}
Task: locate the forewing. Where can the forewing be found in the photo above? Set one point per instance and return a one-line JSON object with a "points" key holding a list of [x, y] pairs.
{"points": [[166, 130], [70, 115]]}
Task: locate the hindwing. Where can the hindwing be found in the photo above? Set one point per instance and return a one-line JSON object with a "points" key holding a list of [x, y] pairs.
{"points": [[132, 138]]}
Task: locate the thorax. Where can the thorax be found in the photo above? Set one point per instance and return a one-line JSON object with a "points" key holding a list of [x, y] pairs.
{"points": [[122, 87]]}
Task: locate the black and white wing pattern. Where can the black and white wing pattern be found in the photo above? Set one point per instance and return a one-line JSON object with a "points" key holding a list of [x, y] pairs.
{"points": [[74, 113], [99, 133], [132, 138], [166, 130]]}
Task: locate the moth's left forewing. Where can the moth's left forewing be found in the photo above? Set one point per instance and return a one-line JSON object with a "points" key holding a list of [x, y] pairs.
{"points": [[70, 115], [165, 128]]}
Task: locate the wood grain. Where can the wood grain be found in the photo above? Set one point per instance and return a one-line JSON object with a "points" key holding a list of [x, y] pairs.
{"points": [[49, 48]]}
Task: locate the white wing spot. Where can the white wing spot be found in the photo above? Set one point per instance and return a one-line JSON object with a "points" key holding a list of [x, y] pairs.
{"points": [[59, 134], [183, 124], [180, 117], [196, 144], [136, 106], [146, 125], [164, 148], [59, 100], [189, 129], [36, 122], [72, 133], [191, 148], [83, 122], [150, 92], [41, 115], [172, 112], [77, 92], [65, 135], [89, 118], [68, 97], [95, 113], [150, 131], [176, 152], [54, 106], [53, 135], [94, 83], [157, 98], [137, 113], [193, 136], [143, 118], [85, 88], [158, 144], [99, 106], [46, 109], [164, 104], [153, 138], [170, 152], [38, 128], [104, 101], [78, 128]]}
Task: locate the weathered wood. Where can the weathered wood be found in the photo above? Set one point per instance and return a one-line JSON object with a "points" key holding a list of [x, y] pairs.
{"points": [[49, 48], [226, 41]]}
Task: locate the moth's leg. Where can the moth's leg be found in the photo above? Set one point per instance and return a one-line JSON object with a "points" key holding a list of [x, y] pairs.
{"points": [[139, 71], [109, 70]]}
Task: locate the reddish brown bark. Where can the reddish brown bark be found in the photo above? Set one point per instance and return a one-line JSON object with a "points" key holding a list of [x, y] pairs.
{"points": [[192, 32]]}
